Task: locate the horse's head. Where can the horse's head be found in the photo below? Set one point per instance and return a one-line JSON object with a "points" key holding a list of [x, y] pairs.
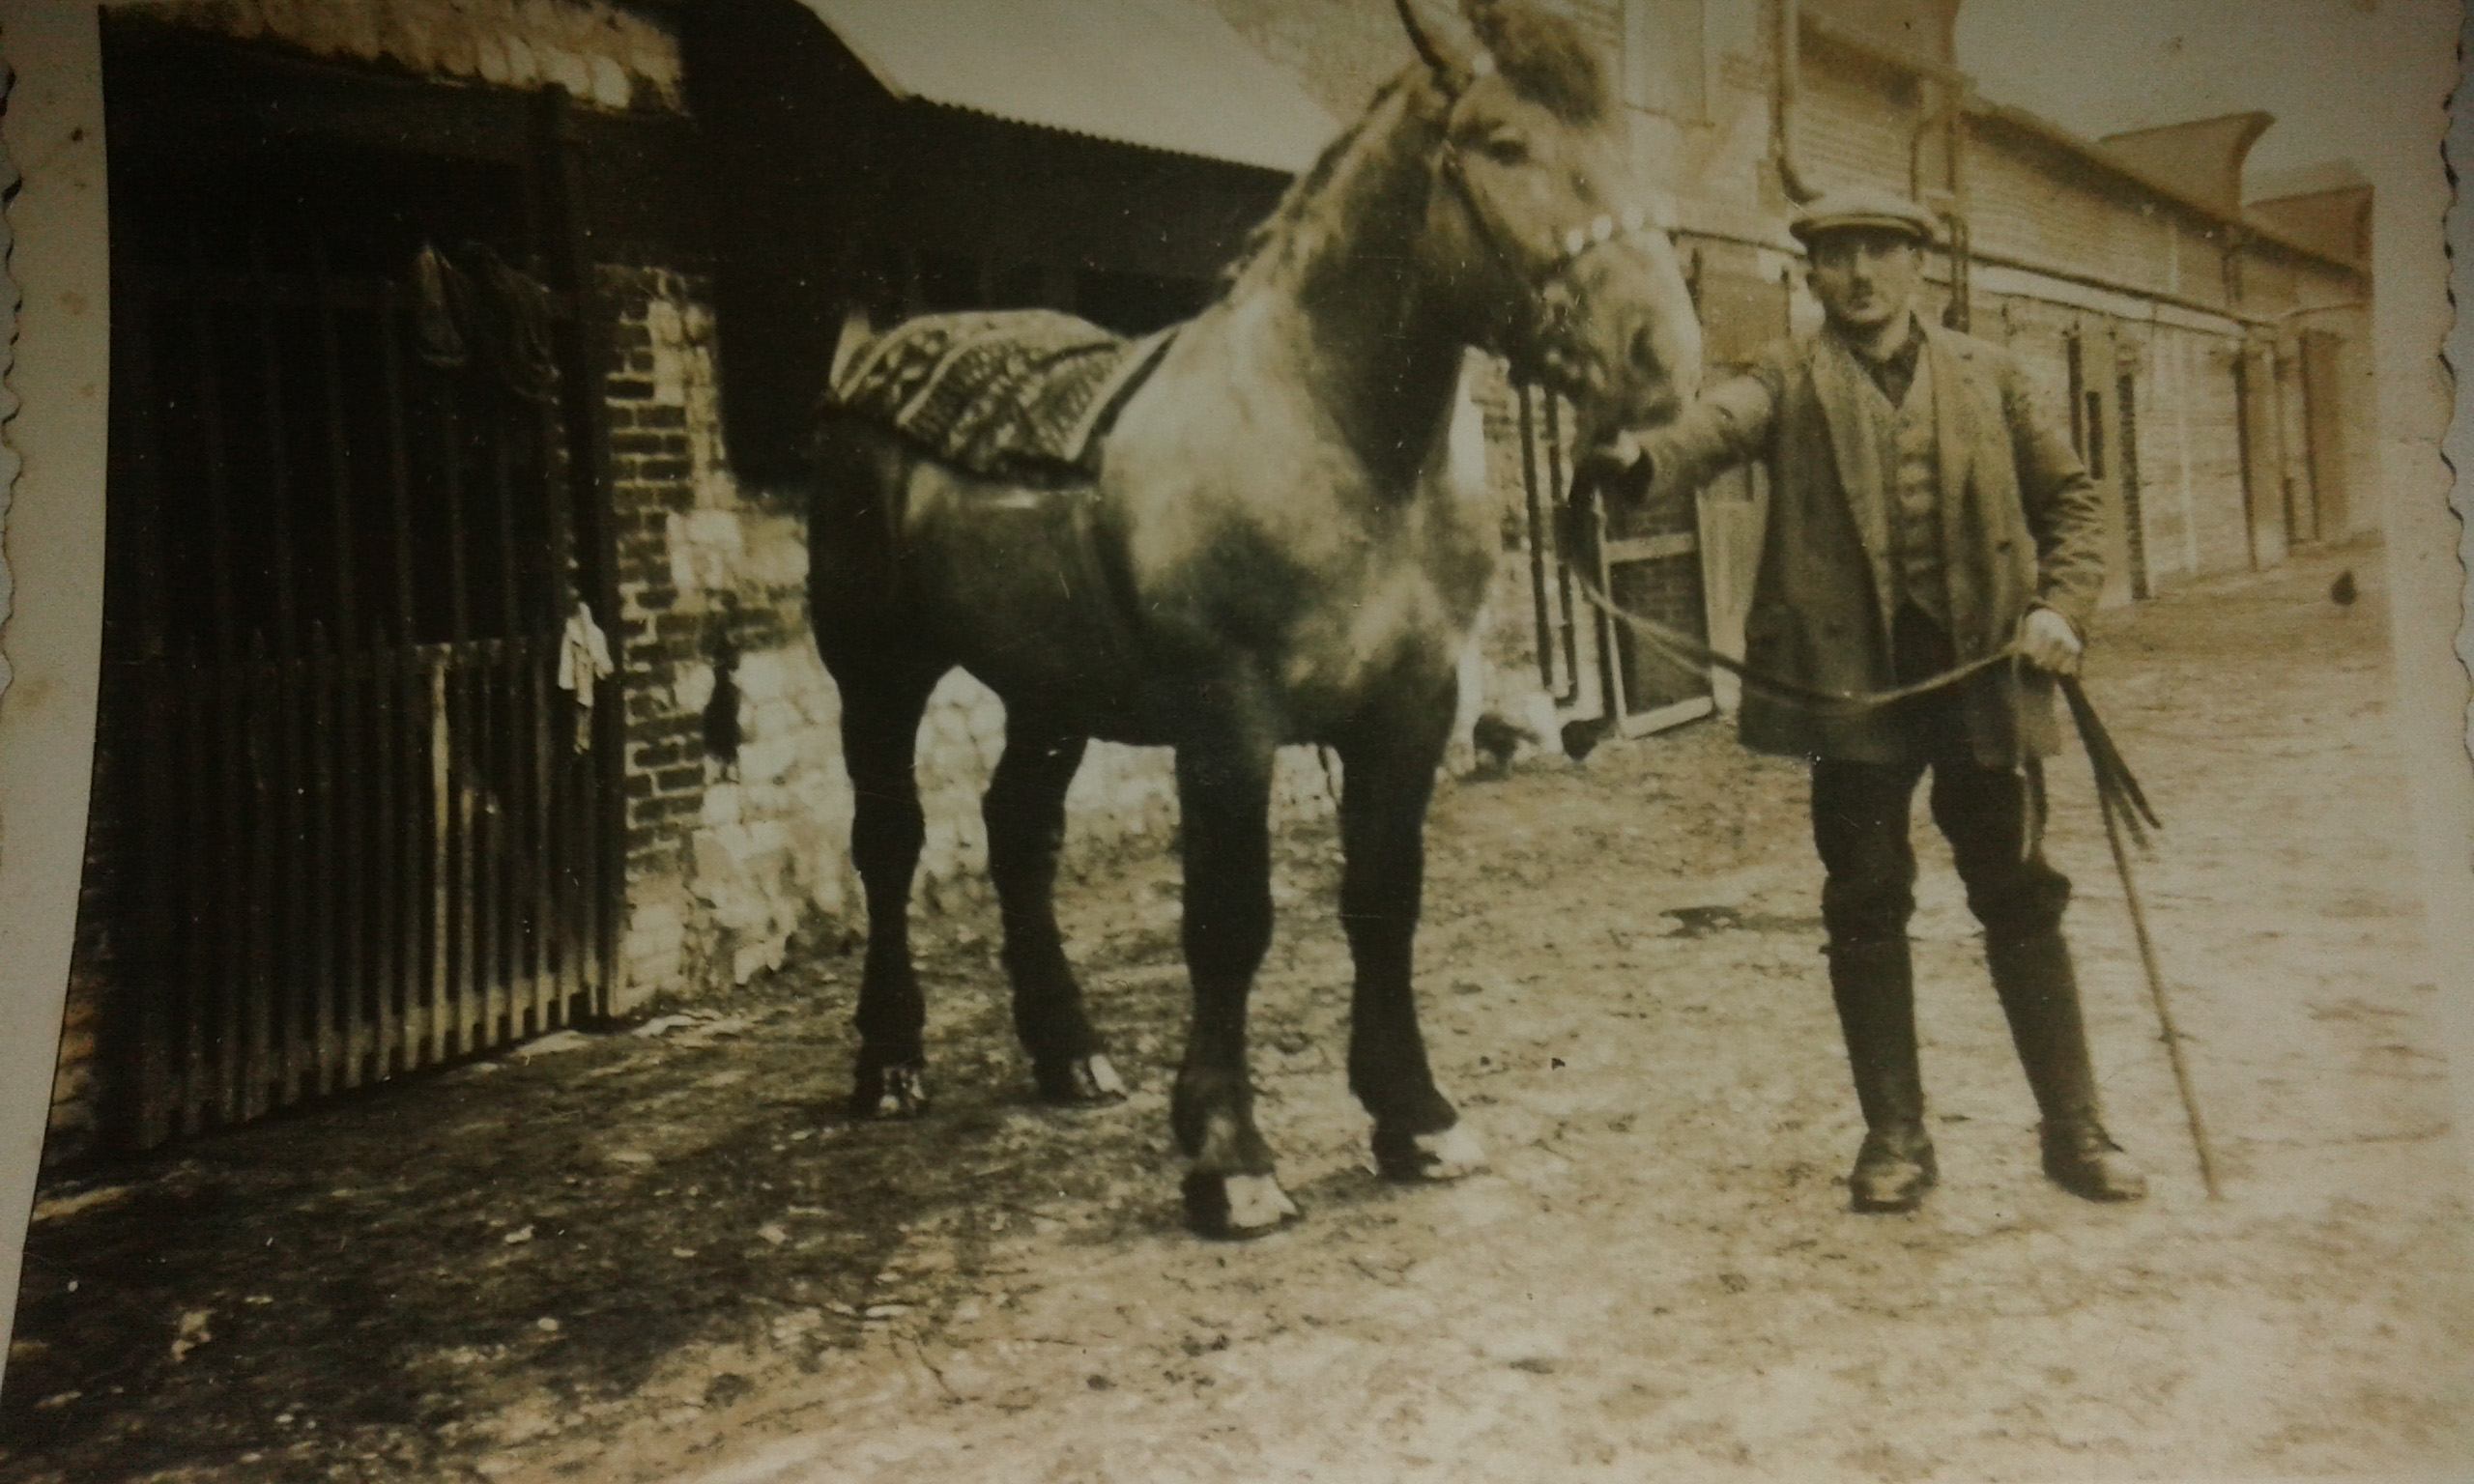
{"points": [[1560, 259]]}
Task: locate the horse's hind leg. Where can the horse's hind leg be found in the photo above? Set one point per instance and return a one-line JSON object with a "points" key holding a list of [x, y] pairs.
{"points": [[880, 711], [1387, 781], [1026, 812]]}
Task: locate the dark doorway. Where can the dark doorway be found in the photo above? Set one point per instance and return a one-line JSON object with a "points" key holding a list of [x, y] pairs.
{"points": [[2134, 517], [358, 822], [2326, 509]]}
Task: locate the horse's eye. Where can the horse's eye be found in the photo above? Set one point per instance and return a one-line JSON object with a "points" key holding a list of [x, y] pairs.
{"points": [[1505, 148]]}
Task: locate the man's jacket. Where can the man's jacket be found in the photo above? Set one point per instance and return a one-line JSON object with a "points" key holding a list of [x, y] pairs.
{"points": [[2020, 527]]}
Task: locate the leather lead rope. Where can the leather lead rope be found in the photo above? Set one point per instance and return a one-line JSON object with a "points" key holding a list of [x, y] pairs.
{"points": [[1682, 646]]}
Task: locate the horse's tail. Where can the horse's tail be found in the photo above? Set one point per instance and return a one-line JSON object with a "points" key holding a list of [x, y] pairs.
{"points": [[859, 475]]}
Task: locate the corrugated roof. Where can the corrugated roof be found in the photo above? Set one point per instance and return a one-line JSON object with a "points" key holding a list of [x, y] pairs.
{"points": [[1168, 75]]}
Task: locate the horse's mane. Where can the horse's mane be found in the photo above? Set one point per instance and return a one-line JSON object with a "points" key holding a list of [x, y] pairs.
{"points": [[1303, 206], [1545, 59], [1542, 54]]}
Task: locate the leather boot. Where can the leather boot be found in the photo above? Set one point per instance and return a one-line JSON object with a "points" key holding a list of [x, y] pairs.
{"points": [[1873, 986], [2040, 997]]}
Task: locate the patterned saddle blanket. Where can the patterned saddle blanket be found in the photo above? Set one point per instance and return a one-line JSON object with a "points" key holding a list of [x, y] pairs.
{"points": [[1016, 393]]}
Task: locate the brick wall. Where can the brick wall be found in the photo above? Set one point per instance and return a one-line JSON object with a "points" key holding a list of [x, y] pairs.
{"points": [[732, 786]]}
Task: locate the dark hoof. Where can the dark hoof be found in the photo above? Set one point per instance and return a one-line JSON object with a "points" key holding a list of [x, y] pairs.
{"points": [[1232, 1207], [1581, 738], [1079, 1082], [2083, 1160], [890, 1094], [1447, 1153], [1892, 1171]]}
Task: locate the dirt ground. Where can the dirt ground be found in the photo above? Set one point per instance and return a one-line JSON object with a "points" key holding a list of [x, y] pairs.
{"points": [[660, 1253]]}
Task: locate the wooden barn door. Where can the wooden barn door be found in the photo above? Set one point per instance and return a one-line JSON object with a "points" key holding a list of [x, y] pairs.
{"points": [[2104, 430], [361, 814]]}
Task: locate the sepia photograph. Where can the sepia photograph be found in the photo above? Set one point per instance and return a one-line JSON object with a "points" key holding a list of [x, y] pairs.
{"points": [[765, 741]]}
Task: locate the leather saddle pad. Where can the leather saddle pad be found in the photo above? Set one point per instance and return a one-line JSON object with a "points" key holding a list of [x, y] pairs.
{"points": [[1015, 392]]}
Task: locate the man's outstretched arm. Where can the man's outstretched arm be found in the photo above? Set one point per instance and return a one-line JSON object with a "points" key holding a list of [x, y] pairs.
{"points": [[1726, 425]]}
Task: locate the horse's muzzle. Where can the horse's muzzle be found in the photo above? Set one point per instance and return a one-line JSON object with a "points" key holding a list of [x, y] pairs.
{"points": [[1615, 468]]}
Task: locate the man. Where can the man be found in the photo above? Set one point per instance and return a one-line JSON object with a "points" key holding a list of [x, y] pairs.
{"points": [[1926, 510]]}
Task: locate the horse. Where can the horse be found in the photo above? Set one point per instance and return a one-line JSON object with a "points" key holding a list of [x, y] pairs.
{"points": [[1267, 554]]}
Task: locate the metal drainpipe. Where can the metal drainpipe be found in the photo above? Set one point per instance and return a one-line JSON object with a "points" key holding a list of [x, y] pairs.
{"points": [[1960, 314], [1950, 117], [1787, 45], [2230, 267]]}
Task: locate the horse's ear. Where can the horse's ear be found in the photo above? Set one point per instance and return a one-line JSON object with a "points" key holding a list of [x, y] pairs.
{"points": [[1444, 39]]}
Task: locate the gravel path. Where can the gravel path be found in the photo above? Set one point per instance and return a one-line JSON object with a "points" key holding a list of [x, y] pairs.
{"points": [[716, 1281]]}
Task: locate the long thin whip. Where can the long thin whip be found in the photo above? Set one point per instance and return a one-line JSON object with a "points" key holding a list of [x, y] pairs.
{"points": [[2119, 800]]}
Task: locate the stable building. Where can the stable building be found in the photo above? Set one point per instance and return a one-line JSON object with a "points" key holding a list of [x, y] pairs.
{"points": [[457, 682], [2210, 336]]}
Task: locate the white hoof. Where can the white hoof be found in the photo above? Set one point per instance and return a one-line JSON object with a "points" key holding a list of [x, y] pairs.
{"points": [[1453, 1154], [1256, 1203], [1236, 1206], [1104, 1076]]}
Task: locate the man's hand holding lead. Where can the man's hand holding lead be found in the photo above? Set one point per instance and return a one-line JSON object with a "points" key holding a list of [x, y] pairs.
{"points": [[2049, 643]]}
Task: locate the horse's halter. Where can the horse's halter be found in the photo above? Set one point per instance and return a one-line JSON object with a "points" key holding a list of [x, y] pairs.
{"points": [[1551, 298]]}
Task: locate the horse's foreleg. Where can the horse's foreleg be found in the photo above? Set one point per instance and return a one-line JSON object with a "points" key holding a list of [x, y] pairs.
{"points": [[1224, 797], [1387, 781], [880, 731], [1026, 812]]}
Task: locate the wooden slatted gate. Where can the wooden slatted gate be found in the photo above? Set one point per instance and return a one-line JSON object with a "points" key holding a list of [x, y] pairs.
{"points": [[364, 828], [1649, 566]]}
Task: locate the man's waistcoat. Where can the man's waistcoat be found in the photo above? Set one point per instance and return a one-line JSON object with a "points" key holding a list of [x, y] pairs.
{"points": [[2017, 519], [1901, 443]]}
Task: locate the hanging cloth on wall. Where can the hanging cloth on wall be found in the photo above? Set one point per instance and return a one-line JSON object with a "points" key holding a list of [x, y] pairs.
{"points": [[442, 303], [519, 344], [584, 658], [490, 308]]}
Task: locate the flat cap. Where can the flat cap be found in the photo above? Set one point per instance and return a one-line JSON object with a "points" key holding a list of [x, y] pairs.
{"points": [[1860, 206]]}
